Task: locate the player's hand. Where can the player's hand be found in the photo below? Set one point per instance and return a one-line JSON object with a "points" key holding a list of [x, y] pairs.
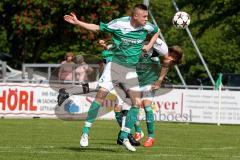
{"points": [[156, 85], [72, 18], [146, 48], [103, 43]]}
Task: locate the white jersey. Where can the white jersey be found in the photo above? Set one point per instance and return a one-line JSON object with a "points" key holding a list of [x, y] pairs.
{"points": [[160, 47]]}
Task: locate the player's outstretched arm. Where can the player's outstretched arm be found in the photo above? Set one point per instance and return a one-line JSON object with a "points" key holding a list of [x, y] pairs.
{"points": [[147, 47], [72, 19]]}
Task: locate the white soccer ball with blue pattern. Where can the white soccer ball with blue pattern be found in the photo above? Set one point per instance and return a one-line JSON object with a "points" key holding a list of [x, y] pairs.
{"points": [[181, 20]]}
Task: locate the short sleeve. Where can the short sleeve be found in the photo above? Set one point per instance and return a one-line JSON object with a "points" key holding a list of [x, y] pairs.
{"points": [[108, 27], [152, 29]]}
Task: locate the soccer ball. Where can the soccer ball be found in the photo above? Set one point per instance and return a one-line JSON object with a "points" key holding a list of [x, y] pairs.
{"points": [[181, 20]]}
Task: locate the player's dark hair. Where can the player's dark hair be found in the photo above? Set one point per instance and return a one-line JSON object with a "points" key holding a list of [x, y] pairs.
{"points": [[139, 6], [177, 52]]}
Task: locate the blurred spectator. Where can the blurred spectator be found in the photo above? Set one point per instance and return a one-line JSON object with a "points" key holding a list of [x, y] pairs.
{"points": [[66, 70], [82, 72]]}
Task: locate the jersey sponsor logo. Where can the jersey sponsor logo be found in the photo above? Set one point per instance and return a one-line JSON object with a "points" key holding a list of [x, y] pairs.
{"points": [[132, 41]]}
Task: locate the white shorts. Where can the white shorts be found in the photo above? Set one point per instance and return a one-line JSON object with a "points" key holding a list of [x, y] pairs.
{"points": [[114, 74]]}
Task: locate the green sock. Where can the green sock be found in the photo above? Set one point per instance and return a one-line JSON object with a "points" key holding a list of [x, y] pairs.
{"points": [[150, 121], [92, 115], [130, 120], [132, 131], [118, 117], [137, 126]]}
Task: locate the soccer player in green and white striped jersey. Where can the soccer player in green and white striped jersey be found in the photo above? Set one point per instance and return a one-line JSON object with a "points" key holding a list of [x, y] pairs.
{"points": [[128, 35], [151, 73]]}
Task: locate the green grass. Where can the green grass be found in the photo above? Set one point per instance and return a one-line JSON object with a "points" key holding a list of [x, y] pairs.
{"points": [[38, 139]]}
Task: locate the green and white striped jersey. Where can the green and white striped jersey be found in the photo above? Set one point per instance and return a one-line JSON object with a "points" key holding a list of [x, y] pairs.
{"points": [[127, 40]]}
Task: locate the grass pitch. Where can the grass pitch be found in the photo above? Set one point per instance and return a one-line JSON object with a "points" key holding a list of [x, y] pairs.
{"points": [[38, 139]]}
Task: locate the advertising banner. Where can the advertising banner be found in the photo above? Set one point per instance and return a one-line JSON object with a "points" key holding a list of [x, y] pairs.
{"points": [[175, 105]]}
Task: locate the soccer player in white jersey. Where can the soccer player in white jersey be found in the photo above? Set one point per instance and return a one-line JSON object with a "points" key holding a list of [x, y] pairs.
{"points": [[128, 35]]}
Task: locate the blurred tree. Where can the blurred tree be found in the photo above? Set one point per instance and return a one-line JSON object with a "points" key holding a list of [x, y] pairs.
{"points": [[215, 26], [34, 30]]}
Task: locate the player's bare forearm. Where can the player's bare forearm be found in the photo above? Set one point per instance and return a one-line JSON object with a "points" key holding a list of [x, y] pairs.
{"points": [[72, 19], [154, 38], [89, 26], [157, 84], [147, 47], [163, 73], [167, 61]]}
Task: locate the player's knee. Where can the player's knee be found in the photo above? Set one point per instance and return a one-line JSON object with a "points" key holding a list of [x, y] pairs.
{"points": [[117, 108], [98, 100], [101, 95], [138, 103], [147, 102]]}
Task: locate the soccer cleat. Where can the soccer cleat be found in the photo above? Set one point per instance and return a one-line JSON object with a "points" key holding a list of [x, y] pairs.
{"points": [[138, 136], [128, 145], [84, 140], [149, 142], [62, 96], [119, 140], [133, 141]]}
